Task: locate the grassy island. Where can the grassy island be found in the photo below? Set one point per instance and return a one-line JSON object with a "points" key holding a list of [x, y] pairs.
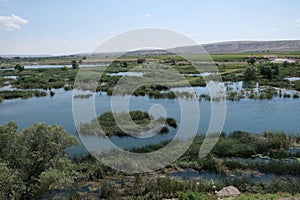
{"points": [[141, 122], [24, 94]]}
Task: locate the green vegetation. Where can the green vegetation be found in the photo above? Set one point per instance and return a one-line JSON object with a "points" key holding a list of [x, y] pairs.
{"points": [[19, 67], [83, 96], [52, 93], [251, 61], [235, 155], [141, 122], [74, 63], [24, 94], [250, 74], [33, 161], [171, 122], [232, 67], [190, 195], [237, 151], [44, 78], [33, 165], [277, 196]]}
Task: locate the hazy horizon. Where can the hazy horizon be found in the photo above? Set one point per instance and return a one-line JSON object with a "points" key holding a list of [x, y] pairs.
{"points": [[112, 52]]}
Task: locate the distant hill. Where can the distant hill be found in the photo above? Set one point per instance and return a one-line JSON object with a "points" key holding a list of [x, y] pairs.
{"points": [[241, 47], [227, 47], [221, 47]]}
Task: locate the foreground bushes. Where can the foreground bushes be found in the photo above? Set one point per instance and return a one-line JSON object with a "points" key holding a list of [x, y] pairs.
{"points": [[244, 145], [33, 165], [33, 161], [283, 184], [173, 188], [241, 151]]}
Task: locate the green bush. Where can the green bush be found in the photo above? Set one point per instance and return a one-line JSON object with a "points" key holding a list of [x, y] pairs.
{"points": [[33, 161], [190, 195], [108, 191], [24, 94], [171, 122]]}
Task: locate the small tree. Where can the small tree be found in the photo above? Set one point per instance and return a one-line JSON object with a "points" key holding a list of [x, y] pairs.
{"points": [[275, 67], [140, 61], [251, 61], [124, 64], [74, 63], [108, 190], [250, 74], [19, 67], [266, 71], [33, 161]]}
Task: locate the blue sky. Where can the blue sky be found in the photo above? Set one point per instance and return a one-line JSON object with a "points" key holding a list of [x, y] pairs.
{"points": [[74, 26]]}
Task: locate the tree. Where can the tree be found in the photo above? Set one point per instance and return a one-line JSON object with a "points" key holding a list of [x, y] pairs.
{"points": [[19, 67], [275, 67], [74, 63], [266, 71], [250, 74], [285, 64], [33, 161], [124, 64], [251, 61], [140, 61]]}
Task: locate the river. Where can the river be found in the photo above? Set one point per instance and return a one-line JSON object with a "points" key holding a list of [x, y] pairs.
{"points": [[253, 116]]}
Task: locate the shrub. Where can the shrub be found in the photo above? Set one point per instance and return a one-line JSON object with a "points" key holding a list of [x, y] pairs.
{"points": [[52, 93], [171, 122], [108, 191], [190, 195]]}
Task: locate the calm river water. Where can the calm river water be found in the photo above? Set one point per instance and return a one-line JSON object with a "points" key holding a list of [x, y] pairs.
{"points": [[253, 116]]}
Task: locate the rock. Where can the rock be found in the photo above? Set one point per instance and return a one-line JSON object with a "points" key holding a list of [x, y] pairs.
{"points": [[229, 191]]}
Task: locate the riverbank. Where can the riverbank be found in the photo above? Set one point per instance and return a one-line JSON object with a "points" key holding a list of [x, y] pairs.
{"points": [[232, 160], [191, 175]]}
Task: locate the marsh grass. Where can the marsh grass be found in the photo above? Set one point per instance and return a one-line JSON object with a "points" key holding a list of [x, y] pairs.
{"points": [[141, 122], [24, 94]]}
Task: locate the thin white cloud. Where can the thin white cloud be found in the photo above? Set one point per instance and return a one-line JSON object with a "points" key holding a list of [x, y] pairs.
{"points": [[148, 15], [12, 22], [297, 21], [272, 29], [4, 1]]}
